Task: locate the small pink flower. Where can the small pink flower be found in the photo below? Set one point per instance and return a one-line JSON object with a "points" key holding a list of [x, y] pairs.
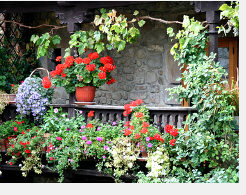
{"points": [[51, 158], [59, 138]]}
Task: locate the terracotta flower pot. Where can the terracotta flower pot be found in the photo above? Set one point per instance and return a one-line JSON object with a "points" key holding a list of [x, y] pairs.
{"points": [[85, 94]]}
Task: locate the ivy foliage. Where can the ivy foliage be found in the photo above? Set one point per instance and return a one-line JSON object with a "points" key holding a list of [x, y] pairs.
{"points": [[231, 13], [113, 32], [210, 148]]}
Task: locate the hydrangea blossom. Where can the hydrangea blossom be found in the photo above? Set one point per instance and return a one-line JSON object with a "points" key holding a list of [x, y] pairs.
{"points": [[32, 98]]}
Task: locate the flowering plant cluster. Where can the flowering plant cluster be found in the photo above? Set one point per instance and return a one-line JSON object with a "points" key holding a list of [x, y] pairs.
{"points": [[92, 70], [27, 146], [138, 129], [32, 98], [14, 127]]}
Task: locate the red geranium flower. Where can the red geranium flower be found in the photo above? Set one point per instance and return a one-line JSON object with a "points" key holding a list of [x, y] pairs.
{"points": [[106, 59], [89, 125], [15, 129], [12, 85], [127, 132], [133, 104], [174, 132], [46, 82], [168, 128], [23, 132], [172, 142], [139, 114], [144, 130], [11, 163], [131, 127], [90, 67], [18, 154], [86, 61], [78, 60], [93, 56], [53, 73], [145, 124], [91, 114], [58, 58], [19, 123], [27, 142], [137, 136], [102, 69], [125, 114], [111, 81], [51, 158], [69, 61], [27, 151], [102, 75], [109, 67], [127, 123]]}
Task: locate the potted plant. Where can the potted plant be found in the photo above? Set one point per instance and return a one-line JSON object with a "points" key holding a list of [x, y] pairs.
{"points": [[84, 75], [33, 96]]}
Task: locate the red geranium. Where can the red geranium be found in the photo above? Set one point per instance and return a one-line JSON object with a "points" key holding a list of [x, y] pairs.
{"points": [[127, 123], [137, 136], [172, 142], [90, 67], [174, 132], [109, 67], [125, 114], [86, 61], [144, 130], [139, 114], [11, 163], [91, 114], [58, 58], [111, 81], [89, 125], [23, 132], [168, 128], [46, 82], [127, 132], [102, 75], [12, 85], [69, 61], [78, 60], [27, 151], [106, 59], [145, 124], [93, 56]]}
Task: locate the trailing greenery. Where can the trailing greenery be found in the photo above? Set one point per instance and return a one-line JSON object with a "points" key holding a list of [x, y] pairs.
{"points": [[113, 32], [210, 145], [231, 13]]}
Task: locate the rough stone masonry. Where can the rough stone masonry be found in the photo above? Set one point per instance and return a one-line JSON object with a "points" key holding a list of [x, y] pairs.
{"points": [[146, 68]]}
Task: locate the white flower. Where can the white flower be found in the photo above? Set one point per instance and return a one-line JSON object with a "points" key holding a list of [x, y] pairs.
{"points": [[0, 172], [67, 119], [20, 165], [130, 165]]}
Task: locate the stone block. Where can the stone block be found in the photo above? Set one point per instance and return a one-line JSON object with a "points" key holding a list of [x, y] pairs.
{"points": [[140, 87], [154, 88], [138, 95], [155, 61], [129, 77], [140, 78], [151, 77], [116, 95]]}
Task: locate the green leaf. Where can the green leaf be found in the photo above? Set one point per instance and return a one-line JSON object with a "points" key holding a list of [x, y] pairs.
{"points": [[67, 52], [196, 27], [141, 23], [103, 11], [136, 12], [109, 47], [34, 38], [56, 39], [186, 21], [97, 36], [172, 51], [97, 20], [90, 43], [224, 7], [170, 32], [99, 47], [121, 45]]}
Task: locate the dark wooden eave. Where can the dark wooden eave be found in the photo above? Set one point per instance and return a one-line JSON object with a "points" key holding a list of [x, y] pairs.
{"points": [[47, 6]]}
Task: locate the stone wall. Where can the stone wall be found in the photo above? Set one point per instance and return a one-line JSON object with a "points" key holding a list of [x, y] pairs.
{"points": [[146, 68]]}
